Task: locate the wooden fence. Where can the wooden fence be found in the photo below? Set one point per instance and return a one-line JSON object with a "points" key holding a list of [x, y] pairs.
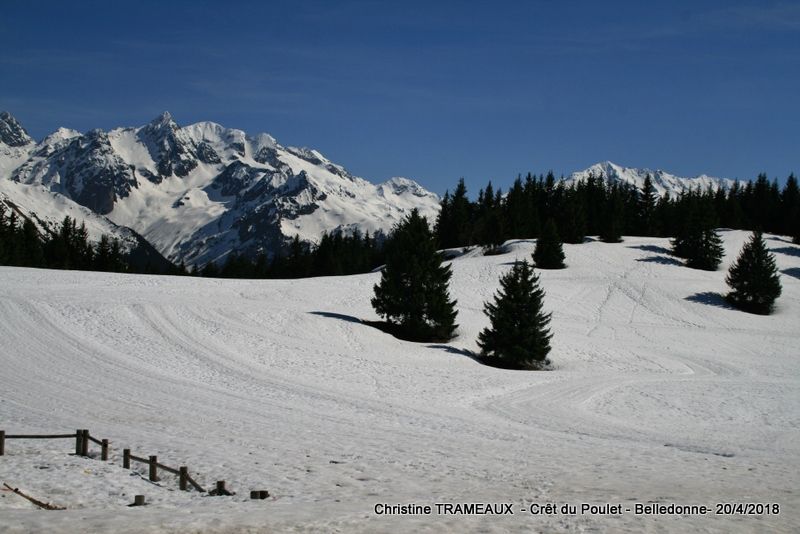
{"points": [[83, 438]]}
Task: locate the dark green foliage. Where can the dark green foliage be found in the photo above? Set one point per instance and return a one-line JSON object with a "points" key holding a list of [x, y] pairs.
{"points": [[704, 250], [549, 253], [613, 217], [413, 291], [790, 207], [454, 226], [573, 218], [698, 242], [754, 278], [648, 200], [518, 335], [489, 229], [795, 229], [68, 247], [611, 210]]}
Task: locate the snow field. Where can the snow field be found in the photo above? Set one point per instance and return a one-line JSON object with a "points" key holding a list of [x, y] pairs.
{"points": [[660, 393]]}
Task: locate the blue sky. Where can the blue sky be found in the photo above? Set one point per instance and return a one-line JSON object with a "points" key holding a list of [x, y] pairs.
{"points": [[483, 90]]}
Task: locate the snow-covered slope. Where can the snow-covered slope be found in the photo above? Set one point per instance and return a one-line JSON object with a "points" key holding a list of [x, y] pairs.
{"points": [[660, 394], [662, 181], [201, 191]]}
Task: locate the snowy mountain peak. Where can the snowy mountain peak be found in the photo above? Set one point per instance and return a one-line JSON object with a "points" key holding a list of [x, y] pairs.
{"points": [[165, 119], [11, 131], [663, 181], [202, 191], [400, 185]]}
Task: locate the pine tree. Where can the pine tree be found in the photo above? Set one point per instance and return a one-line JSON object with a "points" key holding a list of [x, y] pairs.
{"points": [[790, 206], [518, 336], [548, 253], [413, 291], [702, 246], [611, 225], [796, 229], [102, 254], [754, 278], [705, 250], [573, 219], [648, 200]]}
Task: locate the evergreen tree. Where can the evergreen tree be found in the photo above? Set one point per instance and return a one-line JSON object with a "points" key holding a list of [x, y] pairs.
{"points": [[702, 245], [573, 219], [518, 336], [796, 229], [549, 253], [648, 200], [790, 206], [611, 225], [102, 254], [705, 250], [754, 278], [413, 291], [31, 245]]}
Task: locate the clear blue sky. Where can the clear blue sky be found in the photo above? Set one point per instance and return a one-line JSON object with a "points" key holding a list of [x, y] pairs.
{"points": [[429, 90]]}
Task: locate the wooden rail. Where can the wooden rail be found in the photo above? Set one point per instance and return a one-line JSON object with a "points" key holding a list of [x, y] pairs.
{"points": [[82, 439]]}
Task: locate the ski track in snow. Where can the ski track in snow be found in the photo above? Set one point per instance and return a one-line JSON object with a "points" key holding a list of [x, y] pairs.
{"points": [[654, 397]]}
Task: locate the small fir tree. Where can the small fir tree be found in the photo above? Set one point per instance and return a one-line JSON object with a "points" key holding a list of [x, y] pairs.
{"points": [[754, 278], [648, 200], [518, 335], [549, 253], [413, 291], [704, 250], [611, 225], [573, 220]]}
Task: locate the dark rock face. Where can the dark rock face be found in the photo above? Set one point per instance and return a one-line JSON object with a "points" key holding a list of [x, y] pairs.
{"points": [[93, 175], [236, 178], [269, 156], [206, 154], [11, 132], [173, 152]]}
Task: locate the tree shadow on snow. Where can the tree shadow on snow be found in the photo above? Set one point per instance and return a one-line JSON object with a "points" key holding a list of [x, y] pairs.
{"points": [[497, 363], [384, 326], [792, 271], [454, 350], [651, 248], [710, 298], [340, 316], [781, 239], [397, 332], [665, 260], [791, 251]]}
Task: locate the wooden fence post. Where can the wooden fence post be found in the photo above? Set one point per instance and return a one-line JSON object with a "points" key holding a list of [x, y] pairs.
{"points": [[85, 442], [2, 442], [78, 442], [138, 500], [154, 468], [184, 477], [221, 487], [104, 451], [126, 458]]}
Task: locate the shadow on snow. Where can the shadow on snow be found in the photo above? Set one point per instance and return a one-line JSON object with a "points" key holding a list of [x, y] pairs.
{"points": [[710, 298], [394, 330]]}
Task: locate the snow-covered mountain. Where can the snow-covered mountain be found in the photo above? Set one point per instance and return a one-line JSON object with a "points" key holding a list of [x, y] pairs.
{"points": [[199, 192], [662, 181], [47, 208]]}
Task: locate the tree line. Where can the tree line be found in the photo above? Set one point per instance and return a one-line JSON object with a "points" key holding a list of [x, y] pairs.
{"points": [[534, 207], [595, 206], [69, 247]]}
